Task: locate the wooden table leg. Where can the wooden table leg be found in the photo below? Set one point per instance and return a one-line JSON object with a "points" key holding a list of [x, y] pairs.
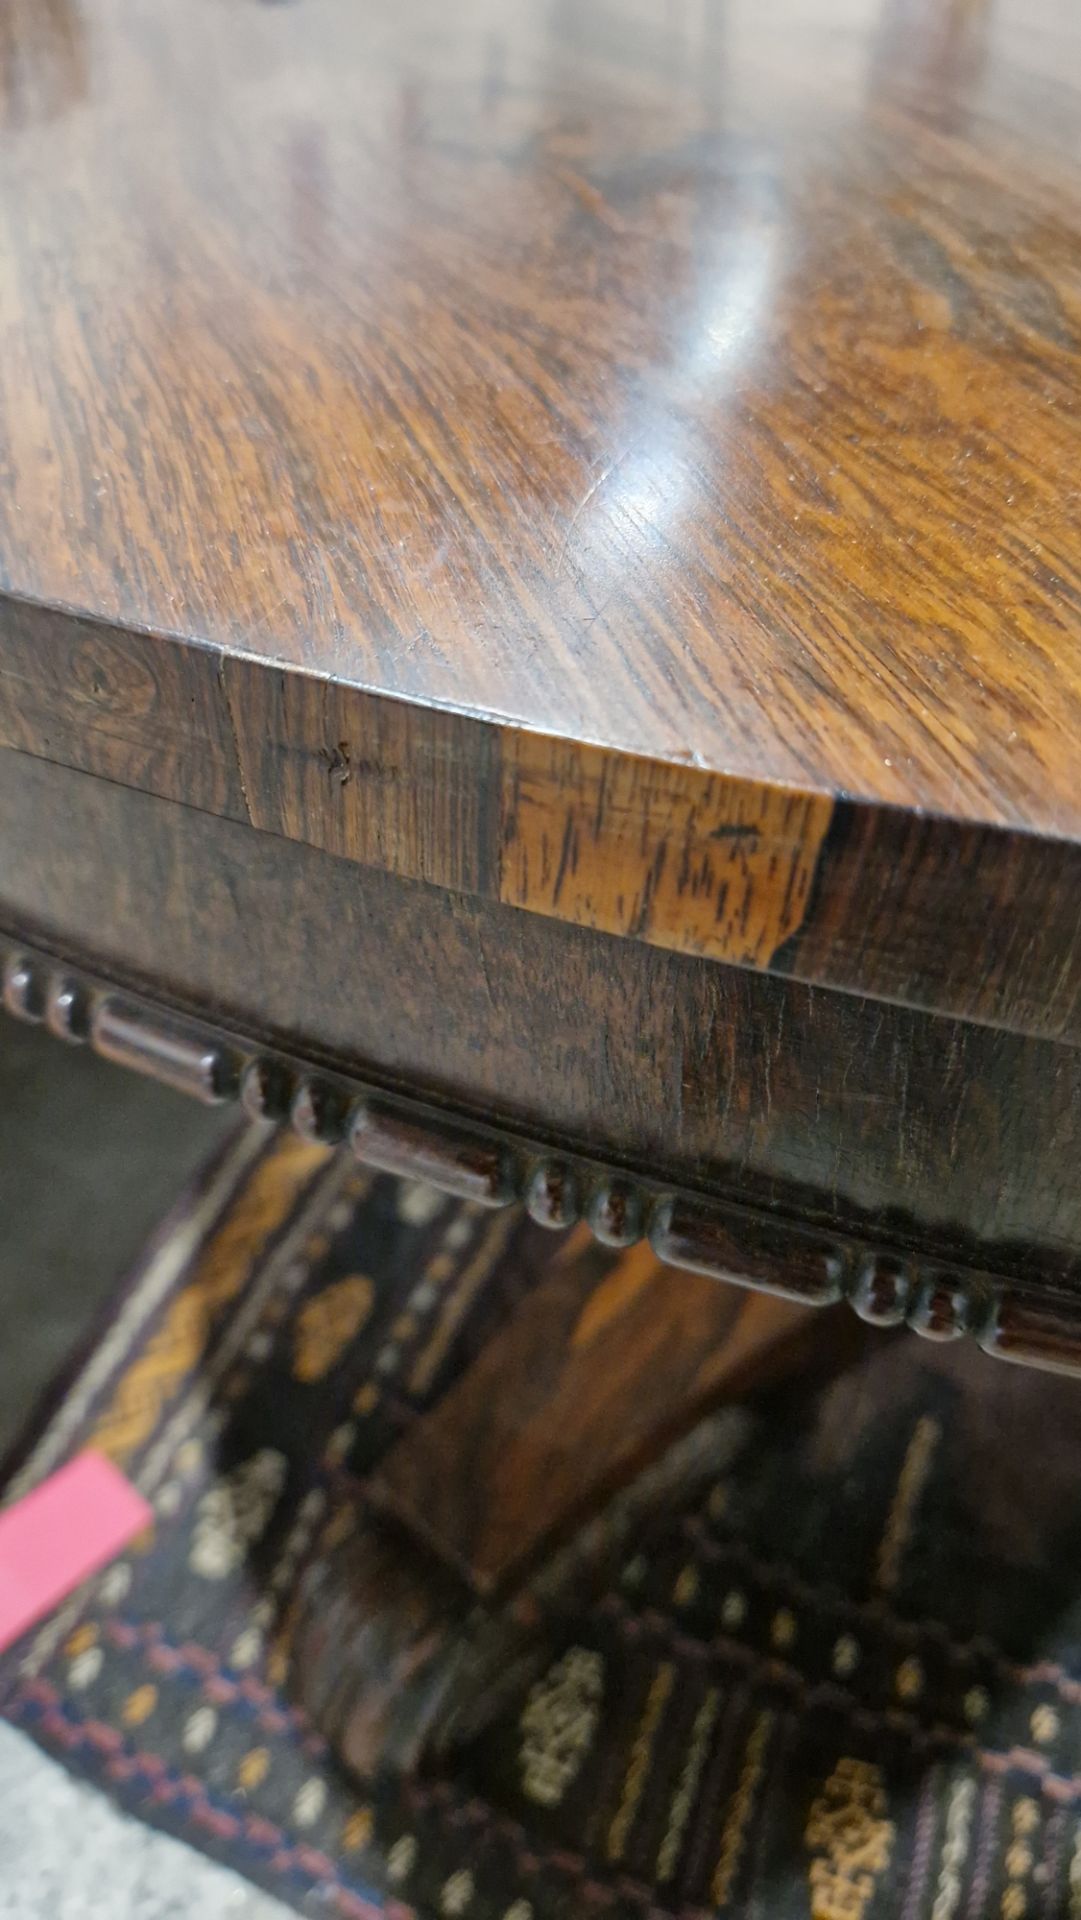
{"points": [[585, 1416]]}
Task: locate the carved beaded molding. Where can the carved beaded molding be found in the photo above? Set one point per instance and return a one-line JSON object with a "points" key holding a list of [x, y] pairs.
{"points": [[726, 1241]]}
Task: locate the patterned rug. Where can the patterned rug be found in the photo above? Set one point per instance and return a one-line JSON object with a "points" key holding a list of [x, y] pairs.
{"points": [[847, 1684]]}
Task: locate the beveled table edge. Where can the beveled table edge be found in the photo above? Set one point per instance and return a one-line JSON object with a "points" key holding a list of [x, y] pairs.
{"points": [[980, 921]]}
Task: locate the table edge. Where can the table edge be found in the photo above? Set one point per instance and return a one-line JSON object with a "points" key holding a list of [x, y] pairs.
{"points": [[979, 921]]}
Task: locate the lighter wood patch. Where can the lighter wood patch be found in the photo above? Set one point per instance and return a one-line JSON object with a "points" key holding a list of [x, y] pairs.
{"points": [[662, 853]]}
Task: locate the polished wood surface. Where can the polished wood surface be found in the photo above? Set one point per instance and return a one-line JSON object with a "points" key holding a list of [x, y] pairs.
{"points": [[959, 1140], [519, 523], [646, 438]]}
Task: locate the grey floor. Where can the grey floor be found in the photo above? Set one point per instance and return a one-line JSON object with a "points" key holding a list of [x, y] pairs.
{"points": [[90, 1159], [108, 1867]]}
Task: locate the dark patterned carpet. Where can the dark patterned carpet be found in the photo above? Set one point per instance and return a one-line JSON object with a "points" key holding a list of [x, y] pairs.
{"points": [[847, 1685]]}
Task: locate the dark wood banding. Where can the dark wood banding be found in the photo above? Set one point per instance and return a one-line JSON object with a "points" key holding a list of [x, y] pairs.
{"points": [[67, 1009], [266, 1090], [318, 1109], [615, 1213], [23, 989], [750, 1252], [1033, 1331], [552, 1195], [881, 1290], [176, 1054], [762, 1251], [942, 1308], [468, 1165]]}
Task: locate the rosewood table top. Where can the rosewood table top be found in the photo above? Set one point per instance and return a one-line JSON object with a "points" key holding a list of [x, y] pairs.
{"points": [[540, 577], [621, 462]]}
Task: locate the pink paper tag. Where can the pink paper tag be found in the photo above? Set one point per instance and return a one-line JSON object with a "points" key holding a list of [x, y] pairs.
{"points": [[66, 1529]]}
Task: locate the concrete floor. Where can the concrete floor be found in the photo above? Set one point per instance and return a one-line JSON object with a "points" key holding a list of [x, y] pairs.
{"points": [[109, 1867], [90, 1159]]}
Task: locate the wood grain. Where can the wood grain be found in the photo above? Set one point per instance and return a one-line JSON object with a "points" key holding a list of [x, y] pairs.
{"points": [[115, 704], [705, 865], [674, 413], [958, 1140], [733, 1244]]}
